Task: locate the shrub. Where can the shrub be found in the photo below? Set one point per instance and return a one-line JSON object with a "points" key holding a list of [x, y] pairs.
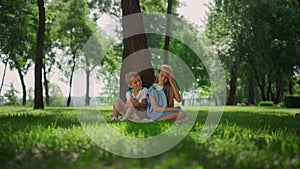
{"points": [[291, 101], [265, 103]]}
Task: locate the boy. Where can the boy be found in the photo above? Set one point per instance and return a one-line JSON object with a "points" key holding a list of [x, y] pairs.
{"points": [[136, 102]]}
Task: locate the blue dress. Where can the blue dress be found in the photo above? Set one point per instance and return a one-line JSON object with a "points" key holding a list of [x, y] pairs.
{"points": [[160, 96]]}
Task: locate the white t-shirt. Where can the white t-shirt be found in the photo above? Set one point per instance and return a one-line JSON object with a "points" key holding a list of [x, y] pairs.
{"points": [[140, 96]]}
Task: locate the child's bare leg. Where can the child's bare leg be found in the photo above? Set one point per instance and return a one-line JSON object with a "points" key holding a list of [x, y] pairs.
{"points": [[129, 113], [170, 117], [119, 106], [181, 116], [115, 112]]}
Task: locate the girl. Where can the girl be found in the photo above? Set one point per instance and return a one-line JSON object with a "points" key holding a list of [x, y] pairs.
{"points": [[135, 107], [161, 95]]}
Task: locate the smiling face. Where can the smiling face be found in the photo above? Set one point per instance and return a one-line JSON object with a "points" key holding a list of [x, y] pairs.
{"points": [[163, 77], [135, 83]]}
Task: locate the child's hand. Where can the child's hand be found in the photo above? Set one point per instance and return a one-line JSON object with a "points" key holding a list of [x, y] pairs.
{"points": [[129, 103], [134, 102], [171, 78]]}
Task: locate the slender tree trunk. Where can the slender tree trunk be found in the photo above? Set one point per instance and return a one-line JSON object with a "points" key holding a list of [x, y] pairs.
{"points": [[168, 32], [291, 86], [136, 53], [261, 85], [46, 85], [3, 77], [38, 90], [250, 91], [233, 82], [87, 95], [270, 94], [23, 87], [279, 89], [71, 81]]}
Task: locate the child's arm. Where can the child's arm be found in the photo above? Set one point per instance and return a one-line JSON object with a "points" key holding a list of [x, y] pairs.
{"points": [[177, 95], [138, 105], [161, 109]]}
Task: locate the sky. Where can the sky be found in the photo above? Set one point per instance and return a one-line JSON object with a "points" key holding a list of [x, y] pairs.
{"points": [[194, 11]]}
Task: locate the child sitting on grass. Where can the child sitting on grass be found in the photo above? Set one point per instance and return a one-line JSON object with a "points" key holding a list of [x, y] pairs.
{"points": [[136, 102], [161, 95]]}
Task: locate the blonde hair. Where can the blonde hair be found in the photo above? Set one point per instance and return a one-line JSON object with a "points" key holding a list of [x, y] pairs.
{"points": [[129, 76], [170, 92]]}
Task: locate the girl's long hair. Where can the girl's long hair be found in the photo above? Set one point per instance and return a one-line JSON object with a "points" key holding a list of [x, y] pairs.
{"points": [[170, 93]]}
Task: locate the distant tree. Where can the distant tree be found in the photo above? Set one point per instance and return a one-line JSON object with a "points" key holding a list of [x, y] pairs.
{"points": [[11, 96], [244, 33], [75, 30], [51, 43], [18, 24], [168, 32], [5, 61], [96, 53]]}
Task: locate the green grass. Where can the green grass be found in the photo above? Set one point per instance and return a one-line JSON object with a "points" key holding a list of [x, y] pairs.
{"points": [[246, 137]]}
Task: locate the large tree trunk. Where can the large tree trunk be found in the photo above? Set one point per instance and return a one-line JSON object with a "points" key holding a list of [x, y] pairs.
{"points": [[3, 77], [233, 81], [168, 32], [298, 5], [23, 86], [141, 60], [38, 90]]}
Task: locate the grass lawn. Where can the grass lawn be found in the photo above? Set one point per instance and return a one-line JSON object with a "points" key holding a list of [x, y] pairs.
{"points": [[246, 137]]}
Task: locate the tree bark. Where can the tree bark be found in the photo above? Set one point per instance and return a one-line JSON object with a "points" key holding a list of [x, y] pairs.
{"points": [[261, 85], [23, 87], [3, 77], [279, 89], [140, 61], [250, 91], [291, 86], [71, 81], [46, 85], [168, 32], [270, 94], [38, 90], [87, 94], [233, 81]]}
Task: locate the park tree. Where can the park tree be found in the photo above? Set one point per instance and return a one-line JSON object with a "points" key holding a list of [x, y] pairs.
{"points": [[224, 29], [5, 61], [168, 32], [51, 43], [18, 25], [75, 30], [38, 87], [97, 51], [245, 34], [133, 44]]}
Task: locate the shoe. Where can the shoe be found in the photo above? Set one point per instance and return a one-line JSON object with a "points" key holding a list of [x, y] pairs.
{"points": [[115, 119], [123, 119], [147, 120]]}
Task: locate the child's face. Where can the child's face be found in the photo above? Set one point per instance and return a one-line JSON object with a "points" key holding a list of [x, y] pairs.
{"points": [[163, 77], [136, 83]]}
